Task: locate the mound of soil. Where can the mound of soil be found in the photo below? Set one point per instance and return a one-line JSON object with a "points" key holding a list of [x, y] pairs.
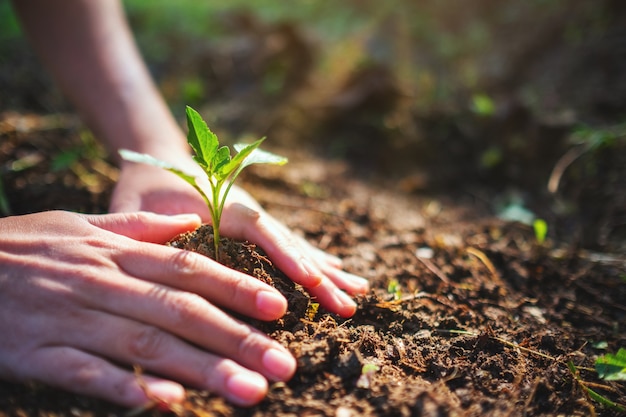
{"points": [[246, 257]]}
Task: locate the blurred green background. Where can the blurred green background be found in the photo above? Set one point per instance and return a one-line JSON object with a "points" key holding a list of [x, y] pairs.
{"points": [[432, 95]]}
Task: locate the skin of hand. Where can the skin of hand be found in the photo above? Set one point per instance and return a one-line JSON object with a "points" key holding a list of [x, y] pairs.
{"points": [[88, 47], [78, 292], [142, 188]]}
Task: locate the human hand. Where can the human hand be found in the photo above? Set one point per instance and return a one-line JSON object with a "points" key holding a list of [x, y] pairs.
{"points": [[80, 294], [142, 187]]}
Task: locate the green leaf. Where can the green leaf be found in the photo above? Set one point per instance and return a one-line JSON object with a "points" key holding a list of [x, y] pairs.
{"points": [[259, 156], [603, 400], [220, 163], [143, 158], [369, 368], [203, 142], [65, 159], [220, 169], [612, 367], [243, 152]]}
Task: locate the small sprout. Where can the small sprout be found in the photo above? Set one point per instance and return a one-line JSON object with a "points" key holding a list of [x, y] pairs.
{"points": [[221, 170], [394, 288], [311, 311], [368, 370], [612, 367], [491, 157], [591, 393], [541, 230], [483, 105]]}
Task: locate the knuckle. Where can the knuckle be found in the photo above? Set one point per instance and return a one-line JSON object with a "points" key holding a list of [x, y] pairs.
{"points": [[213, 375], [250, 343], [82, 372], [185, 309], [237, 290], [184, 262], [147, 343]]}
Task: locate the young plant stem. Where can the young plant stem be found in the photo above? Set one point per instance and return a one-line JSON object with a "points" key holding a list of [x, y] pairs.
{"points": [[216, 162], [216, 214]]}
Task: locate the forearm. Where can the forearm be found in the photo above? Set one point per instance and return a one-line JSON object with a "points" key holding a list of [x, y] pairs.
{"points": [[89, 49]]}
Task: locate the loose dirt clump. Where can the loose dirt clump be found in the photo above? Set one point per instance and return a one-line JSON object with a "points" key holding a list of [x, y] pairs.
{"points": [[246, 257]]}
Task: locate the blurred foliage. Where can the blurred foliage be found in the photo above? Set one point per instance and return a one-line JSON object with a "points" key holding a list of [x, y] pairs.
{"points": [[9, 26], [440, 53], [435, 94], [436, 47]]}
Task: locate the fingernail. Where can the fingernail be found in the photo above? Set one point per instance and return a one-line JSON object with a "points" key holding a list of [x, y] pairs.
{"points": [[166, 391], [313, 273], [271, 304], [246, 388], [281, 365]]}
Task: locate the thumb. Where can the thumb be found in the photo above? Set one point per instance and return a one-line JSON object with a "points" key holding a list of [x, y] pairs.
{"points": [[145, 226]]}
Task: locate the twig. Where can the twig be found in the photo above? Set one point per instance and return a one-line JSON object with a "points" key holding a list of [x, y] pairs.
{"points": [[559, 168], [434, 269], [485, 260], [591, 393], [152, 400]]}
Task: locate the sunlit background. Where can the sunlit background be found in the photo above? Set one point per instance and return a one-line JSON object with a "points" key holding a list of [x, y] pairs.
{"points": [[527, 98]]}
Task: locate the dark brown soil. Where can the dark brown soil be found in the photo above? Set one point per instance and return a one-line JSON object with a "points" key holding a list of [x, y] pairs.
{"points": [[247, 258], [469, 315], [483, 321]]}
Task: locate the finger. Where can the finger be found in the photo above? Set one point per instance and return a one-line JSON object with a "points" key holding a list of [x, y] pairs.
{"points": [[244, 223], [162, 353], [201, 275], [83, 373], [329, 265], [146, 188], [144, 226], [191, 317], [353, 284], [194, 319], [321, 257], [287, 252], [333, 299]]}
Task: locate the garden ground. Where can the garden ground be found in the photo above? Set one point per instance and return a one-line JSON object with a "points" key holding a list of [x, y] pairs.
{"points": [[423, 142], [469, 315]]}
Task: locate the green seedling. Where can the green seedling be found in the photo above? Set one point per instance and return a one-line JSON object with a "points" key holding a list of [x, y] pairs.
{"points": [[594, 395], [612, 367], [483, 105], [394, 288], [541, 230], [312, 310], [220, 168], [368, 371]]}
